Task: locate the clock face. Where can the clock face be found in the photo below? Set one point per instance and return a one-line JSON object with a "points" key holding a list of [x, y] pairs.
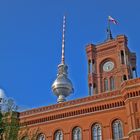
{"points": [[108, 66]]}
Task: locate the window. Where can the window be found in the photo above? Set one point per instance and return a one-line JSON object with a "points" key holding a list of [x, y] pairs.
{"points": [[96, 132], [122, 57], [58, 135], [105, 84], [124, 77], [76, 134], [117, 130], [89, 66], [90, 89], [112, 83], [138, 123], [94, 89], [41, 137], [134, 72], [93, 66]]}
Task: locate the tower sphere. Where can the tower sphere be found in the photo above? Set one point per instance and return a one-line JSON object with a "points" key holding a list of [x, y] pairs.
{"points": [[62, 86], [2, 96]]}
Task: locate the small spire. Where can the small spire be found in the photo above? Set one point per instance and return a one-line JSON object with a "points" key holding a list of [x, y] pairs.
{"points": [[63, 41], [109, 34]]}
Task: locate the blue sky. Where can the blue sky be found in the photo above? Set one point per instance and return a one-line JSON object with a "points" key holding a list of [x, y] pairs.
{"points": [[30, 43]]}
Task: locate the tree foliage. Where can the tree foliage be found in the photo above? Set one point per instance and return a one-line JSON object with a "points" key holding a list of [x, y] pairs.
{"points": [[9, 123], [1, 126]]}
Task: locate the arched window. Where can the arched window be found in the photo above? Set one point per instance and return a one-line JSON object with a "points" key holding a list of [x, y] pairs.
{"points": [[94, 89], [112, 83], [96, 132], [89, 66], [90, 89], [41, 137], [93, 66], [117, 130], [124, 77], [105, 84], [25, 138], [76, 134], [134, 72], [58, 135]]}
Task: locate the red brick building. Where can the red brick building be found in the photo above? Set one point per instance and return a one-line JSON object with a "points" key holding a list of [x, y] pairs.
{"points": [[111, 112]]}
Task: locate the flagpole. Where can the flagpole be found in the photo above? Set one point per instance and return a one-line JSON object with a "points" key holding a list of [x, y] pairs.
{"points": [[109, 34], [108, 24]]}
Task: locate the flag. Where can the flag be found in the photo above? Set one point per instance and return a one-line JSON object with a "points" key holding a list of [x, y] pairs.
{"points": [[112, 20]]}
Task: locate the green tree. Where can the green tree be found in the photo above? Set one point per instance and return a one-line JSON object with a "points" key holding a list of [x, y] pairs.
{"points": [[9, 121], [1, 126], [9, 124]]}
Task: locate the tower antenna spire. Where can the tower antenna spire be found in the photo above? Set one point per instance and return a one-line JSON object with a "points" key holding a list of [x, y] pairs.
{"points": [[63, 40], [62, 86]]}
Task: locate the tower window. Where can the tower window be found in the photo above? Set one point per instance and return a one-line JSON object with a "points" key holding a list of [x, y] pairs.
{"points": [[112, 83], [105, 84], [124, 77], [89, 66], [138, 123], [122, 57], [134, 72], [117, 130], [94, 89], [90, 89], [93, 66], [96, 132]]}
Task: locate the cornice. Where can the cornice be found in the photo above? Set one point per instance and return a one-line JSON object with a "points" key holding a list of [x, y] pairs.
{"points": [[70, 104], [44, 121], [130, 83]]}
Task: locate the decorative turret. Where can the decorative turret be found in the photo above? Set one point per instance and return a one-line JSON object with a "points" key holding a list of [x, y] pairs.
{"points": [[62, 86]]}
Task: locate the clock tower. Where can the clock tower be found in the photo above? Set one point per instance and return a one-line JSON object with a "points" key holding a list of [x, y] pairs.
{"points": [[109, 64]]}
